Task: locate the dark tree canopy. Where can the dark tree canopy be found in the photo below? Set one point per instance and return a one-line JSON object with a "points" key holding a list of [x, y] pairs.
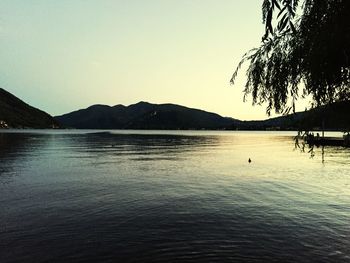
{"points": [[305, 47]]}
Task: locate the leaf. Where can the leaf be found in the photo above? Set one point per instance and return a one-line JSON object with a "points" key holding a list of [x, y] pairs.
{"points": [[292, 27], [265, 9], [283, 23], [281, 11], [276, 4], [269, 19]]}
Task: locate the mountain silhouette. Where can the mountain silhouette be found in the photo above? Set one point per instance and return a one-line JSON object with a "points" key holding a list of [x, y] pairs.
{"points": [[335, 116], [144, 115], [14, 113]]}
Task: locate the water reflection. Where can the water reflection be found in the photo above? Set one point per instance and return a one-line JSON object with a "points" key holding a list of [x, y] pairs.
{"points": [[324, 152], [15, 148], [104, 148], [171, 197]]}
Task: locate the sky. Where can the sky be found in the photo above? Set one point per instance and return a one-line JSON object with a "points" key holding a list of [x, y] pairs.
{"points": [[65, 55]]}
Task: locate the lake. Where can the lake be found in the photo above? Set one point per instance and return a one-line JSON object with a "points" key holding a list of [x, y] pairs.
{"points": [[171, 196]]}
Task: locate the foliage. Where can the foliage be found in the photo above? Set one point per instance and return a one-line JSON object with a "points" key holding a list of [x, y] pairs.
{"points": [[312, 48]]}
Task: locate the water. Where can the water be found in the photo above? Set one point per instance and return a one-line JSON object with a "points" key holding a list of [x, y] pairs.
{"points": [[133, 196]]}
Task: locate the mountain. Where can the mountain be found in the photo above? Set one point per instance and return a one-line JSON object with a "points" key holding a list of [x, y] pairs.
{"points": [[144, 115], [14, 113], [335, 116]]}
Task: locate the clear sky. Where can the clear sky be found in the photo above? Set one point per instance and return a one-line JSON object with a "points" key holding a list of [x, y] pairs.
{"points": [[63, 55]]}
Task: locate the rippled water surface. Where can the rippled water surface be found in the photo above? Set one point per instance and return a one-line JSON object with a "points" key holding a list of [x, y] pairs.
{"points": [[129, 196]]}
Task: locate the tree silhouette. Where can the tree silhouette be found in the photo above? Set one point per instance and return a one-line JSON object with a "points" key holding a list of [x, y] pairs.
{"points": [[305, 42]]}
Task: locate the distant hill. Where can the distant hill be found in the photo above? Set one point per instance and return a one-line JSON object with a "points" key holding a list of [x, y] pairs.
{"points": [[14, 113], [336, 116], [144, 115]]}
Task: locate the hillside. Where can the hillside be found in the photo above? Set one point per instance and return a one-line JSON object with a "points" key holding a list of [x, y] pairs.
{"points": [[14, 113], [335, 116], [144, 115]]}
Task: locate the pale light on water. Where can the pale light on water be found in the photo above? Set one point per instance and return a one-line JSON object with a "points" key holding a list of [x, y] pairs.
{"points": [[137, 196]]}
